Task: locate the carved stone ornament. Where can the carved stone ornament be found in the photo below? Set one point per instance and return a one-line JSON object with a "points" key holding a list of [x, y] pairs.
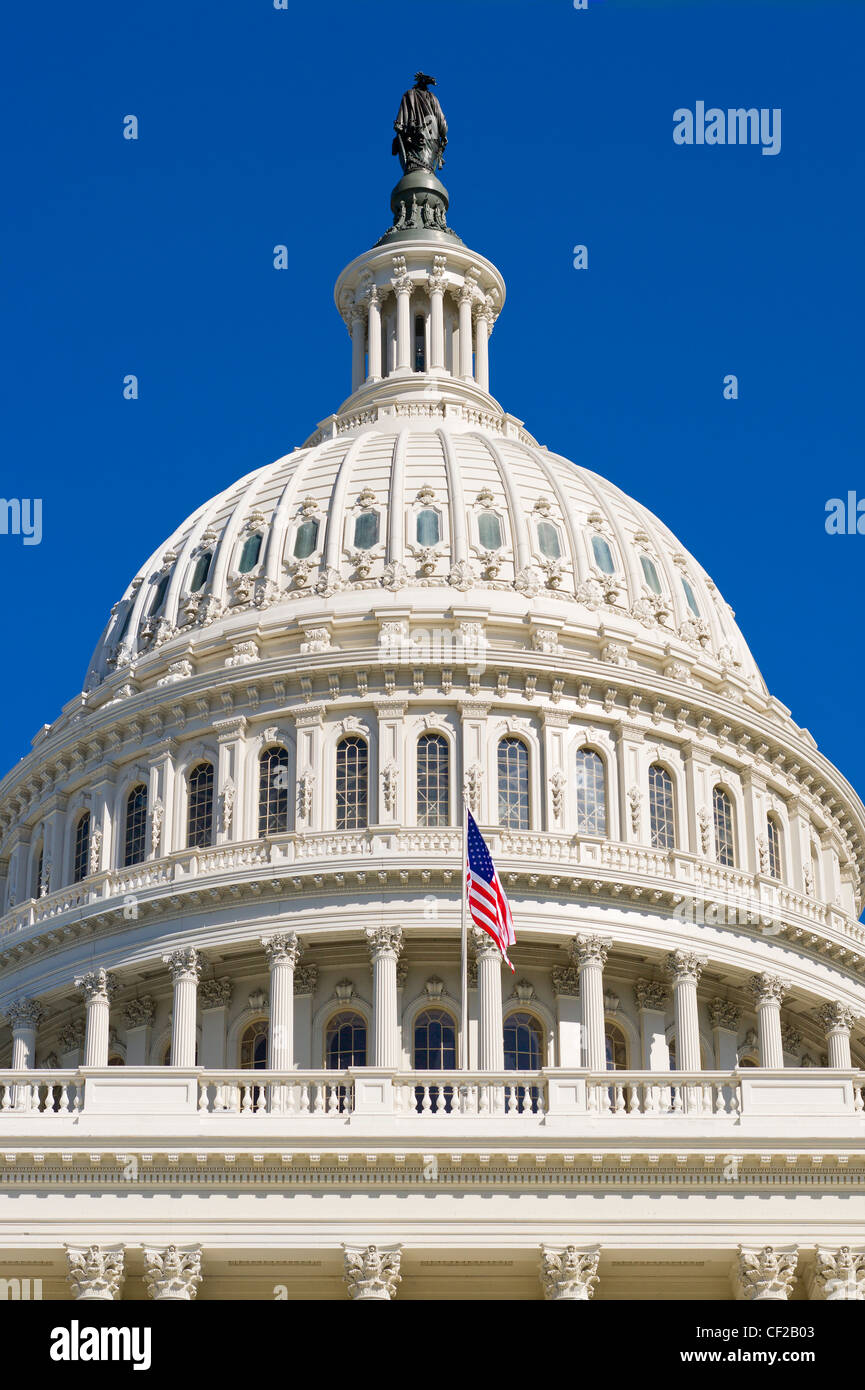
{"points": [[651, 994], [566, 980], [184, 964], [371, 1273], [227, 798], [724, 1014], [25, 1013], [215, 994], [591, 950], [305, 979], [384, 941], [157, 817], [558, 783], [282, 949], [434, 988], [768, 988], [635, 797], [172, 1273], [139, 1012], [839, 1275], [96, 984], [835, 1017], [95, 849], [766, 1274], [569, 1273], [389, 783], [704, 816], [472, 787], [685, 965], [95, 1273]]}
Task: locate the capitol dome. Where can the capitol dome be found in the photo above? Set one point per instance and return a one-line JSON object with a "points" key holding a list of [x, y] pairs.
{"points": [[232, 867]]}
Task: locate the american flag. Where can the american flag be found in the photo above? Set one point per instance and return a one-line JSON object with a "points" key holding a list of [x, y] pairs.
{"points": [[487, 902]]}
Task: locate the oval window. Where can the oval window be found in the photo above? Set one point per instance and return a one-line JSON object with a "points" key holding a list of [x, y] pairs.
{"points": [[548, 540], [250, 553], [366, 531], [489, 531], [689, 595], [200, 573], [603, 555], [650, 574], [428, 528], [306, 539]]}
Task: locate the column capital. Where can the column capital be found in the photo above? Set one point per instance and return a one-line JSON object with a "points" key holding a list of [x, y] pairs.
{"points": [[215, 994], [724, 1014], [172, 1273], [95, 1272], [283, 949], [591, 950], [769, 989], [96, 984], [566, 980], [764, 1274], [835, 1016], [305, 979], [569, 1273], [685, 965], [138, 1012], [403, 284], [372, 1272], [838, 1275], [184, 964], [484, 946], [651, 994], [384, 941], [25, 1013]]}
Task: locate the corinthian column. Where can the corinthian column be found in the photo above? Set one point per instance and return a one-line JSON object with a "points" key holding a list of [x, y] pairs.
{"points": [[185, 966], [482, 350], [764, 1275], [685, 970], [172, 1274], [358, 344], [97, 986], [436, 284], [385, 944], [403, 288], [373, 363], [769, 990], [283, 952], [372, 1273], [837, 1020], [95, 1273], [838, 1276], [590, 953], [24, 1017], [491, 1040], [466, 295], [569, 1274]]}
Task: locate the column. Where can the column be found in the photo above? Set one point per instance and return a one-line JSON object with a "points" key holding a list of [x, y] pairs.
{"points": [[652, 1001], [214, 996], [403, 288], [185, 966], [385, 943], [837, 1019], [359, 315], [372, 1272], [305, 981], [97, 986], [838, 1275], [685, 970], [491, 1041], [769, 990], [138, 1019], [725, 1019], [95, 1272], [436, 283], [590, 954], [764, 1275], [482, 338], [465, 297], [173, 1274], [374, 335], [283, 952], [566, 987], [569, 1274], [24, 1017]]}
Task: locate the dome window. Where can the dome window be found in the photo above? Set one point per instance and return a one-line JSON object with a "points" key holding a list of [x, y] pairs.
{"points": [[662, 812], [650, 574], [124, 626], [419, 344], [489, 531], [199, 814], [135, 831], [201, 571], [306, 539], [603, 555], [513, 784], [250, 553], [548, 540], [689, 595], [428, 527], [81, 856], [591, 794], [366, 531], [352, 786], [159, 595], [725, 842], [272, 792]]}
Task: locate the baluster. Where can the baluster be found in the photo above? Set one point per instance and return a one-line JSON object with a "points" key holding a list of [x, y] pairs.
{"points": [[304, 1098], [290, 1098], [591, 1097], [63, 1098], [332, 1100], [720, 1100], [540, 1108], [677, 1100], [426, 1100], [202, 1095], [619, 1106], [858, 1103], [246, 1102], [634, 1098], [735, 1101], [6, 1103], [483, 1099], [320, 1089], [650, 1098], [511, 1106]]}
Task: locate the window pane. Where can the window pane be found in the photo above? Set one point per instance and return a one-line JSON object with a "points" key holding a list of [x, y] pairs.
{"points": [[250, 553], [616, 1048], [428, 528], [135, 839], [81, 862], [435, 1047], [661, 810], [725, 847], [650, 574], [523, 1043], [773, 839], [351, 784], [306, 539], [272, 792], [689, 595], [253, 1046], [159, 595], [489, 531], [433, 789], [366, 531], [591, 794], [513, 769], [345, 1042], [548, 540], [603, 555], [201, 571], [199, 821]]}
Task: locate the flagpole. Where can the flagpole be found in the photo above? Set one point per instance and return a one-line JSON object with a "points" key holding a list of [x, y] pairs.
{"points": [[464, 952]]}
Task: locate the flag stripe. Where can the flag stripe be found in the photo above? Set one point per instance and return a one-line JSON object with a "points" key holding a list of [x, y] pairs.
{"points": [[487, 900]]}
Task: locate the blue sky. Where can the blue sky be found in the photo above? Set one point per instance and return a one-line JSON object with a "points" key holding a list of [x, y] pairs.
{"points": [[259, 127]]}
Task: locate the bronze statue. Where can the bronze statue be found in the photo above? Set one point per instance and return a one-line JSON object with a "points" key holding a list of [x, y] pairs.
{"points": [[421, 129]]}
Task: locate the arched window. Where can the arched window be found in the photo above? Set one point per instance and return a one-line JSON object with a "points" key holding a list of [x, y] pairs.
{"points": [[650, 574], [199, 816], [591, 793], [159, 594], [428, 527], [548, 540], [433, 780], [201, 571], [135, 835], [489, 531], [81, 856], [306, 539], [345, 1042], [513, 769], [435, 1049], [725, 844], [524, 1043], [366, 531], [616, 1045], [37, 882], [352, 784], [603, 555], [689, 596], [253, 1046], [662, 813], [773, 844], [272, 792], [250, 553]]}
